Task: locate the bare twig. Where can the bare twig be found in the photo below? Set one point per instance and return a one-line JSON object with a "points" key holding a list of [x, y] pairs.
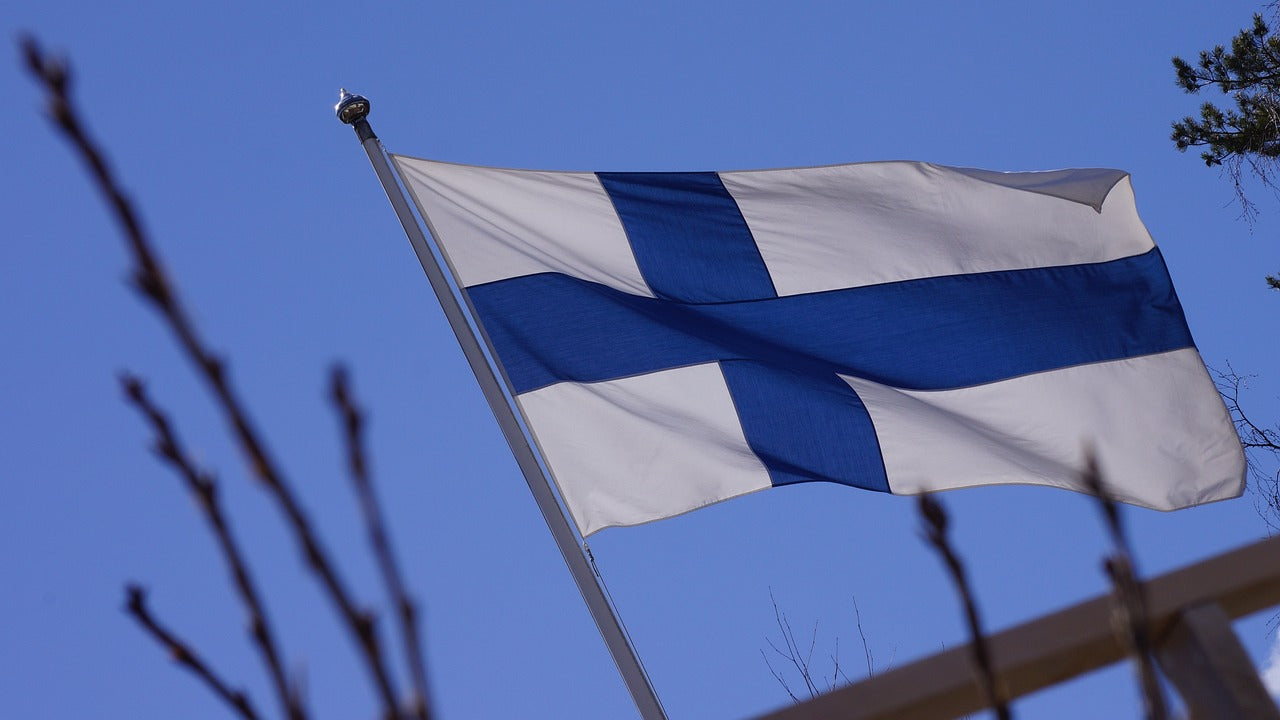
{"points": [[1252, 435], [815, 681], [935, 527], [800, 660], [182, 654], [777, 675], [836, 671], [808, 658], [353, 425], [1256, 440], [204, 488], [1131, 610], [866, 649], [151, 282]]}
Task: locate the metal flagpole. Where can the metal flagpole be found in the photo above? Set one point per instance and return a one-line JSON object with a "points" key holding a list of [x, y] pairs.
{"points": [[354, 110]]}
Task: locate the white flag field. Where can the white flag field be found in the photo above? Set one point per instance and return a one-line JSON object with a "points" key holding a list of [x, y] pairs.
{"points": [[673, 340]]}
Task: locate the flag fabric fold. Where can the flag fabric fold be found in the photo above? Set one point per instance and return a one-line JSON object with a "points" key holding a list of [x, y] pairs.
{"points": [[678, 339]]}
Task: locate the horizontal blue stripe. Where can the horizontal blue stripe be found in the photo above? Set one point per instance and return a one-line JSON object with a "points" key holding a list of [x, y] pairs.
{"points": [[688, 236], [928, 334]]}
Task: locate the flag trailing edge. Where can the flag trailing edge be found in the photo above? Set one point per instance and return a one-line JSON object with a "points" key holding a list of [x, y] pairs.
{"points": [[674, 340]]}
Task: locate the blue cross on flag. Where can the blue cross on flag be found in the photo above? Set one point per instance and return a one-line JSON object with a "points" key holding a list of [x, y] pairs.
{"points": [[677, 339]]}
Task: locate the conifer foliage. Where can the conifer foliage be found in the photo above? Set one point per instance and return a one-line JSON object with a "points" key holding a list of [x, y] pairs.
{"points": [[1244, 139]]}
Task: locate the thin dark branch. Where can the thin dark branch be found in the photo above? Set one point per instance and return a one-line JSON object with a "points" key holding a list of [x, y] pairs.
{"points": [[1255, 439], [1251, 434], [935, 527], [836, 672], [808, 659], [866, 648], [152, 283], [1131, 609], [353, 431], [793, 654], [136, 605], [778, 676], [204, 488], [801, 664]]}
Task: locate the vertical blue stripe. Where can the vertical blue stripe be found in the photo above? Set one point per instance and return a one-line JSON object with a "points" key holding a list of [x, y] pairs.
{"points": [[689, 237], [805, 427]]}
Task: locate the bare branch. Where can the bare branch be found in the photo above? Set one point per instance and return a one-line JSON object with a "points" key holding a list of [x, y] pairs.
{"points": [[1255, 439], [778, 676], [353, 425], [136, 605], [836, 672], [152, 283], [204, 488], [808, 659], [801, 661], [935, 526], [1252, 435], [866, 649], [1131, 610]]}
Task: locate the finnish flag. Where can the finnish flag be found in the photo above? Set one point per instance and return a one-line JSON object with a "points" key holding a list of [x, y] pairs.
{"points": [[677, 339]]}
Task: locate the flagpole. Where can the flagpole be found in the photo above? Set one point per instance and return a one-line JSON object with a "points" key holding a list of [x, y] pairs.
{"points": [[354, 110]]}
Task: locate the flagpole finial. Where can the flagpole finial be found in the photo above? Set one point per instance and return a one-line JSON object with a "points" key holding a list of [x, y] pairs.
{"points": [[351, 108]]}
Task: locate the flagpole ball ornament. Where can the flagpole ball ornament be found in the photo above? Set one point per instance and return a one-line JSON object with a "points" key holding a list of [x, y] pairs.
{"points": [[351, 108]]}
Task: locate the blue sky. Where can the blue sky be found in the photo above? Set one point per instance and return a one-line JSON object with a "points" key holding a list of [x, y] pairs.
{"points": [[218, 117]]}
